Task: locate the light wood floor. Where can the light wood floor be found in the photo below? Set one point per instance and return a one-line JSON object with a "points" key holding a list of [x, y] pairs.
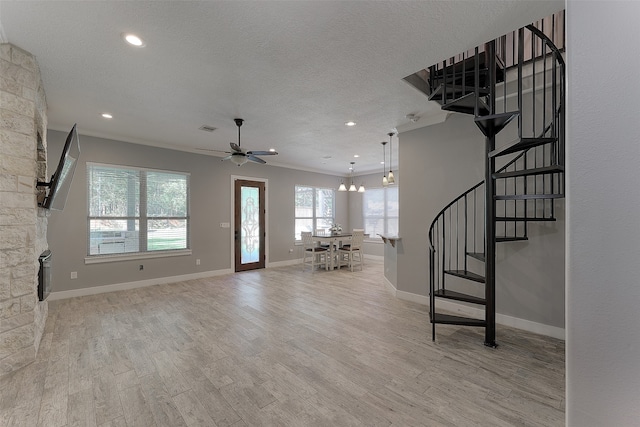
{"points": [[278, 347]]}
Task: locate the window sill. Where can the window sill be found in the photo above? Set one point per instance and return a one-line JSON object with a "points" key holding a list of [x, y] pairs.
{"points": [[99, 259]]}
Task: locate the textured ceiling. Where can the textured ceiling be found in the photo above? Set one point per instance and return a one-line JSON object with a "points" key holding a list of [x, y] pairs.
{"points": [[296, 71]]}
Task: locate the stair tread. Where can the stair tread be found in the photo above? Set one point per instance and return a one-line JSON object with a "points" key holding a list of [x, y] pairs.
{"points": [[511, 239], [528, 172], [469, 66], [453, 91], [449, 319], [492, 124], [529, 196], [520, 145], [465, 104], [465, 274], [521, 219], [459, 296], [477, 255]]}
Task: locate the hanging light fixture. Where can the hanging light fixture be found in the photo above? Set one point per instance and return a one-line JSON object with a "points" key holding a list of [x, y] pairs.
{"points": [[342, 187], [352, 187], [391, 179], [385, 181]]}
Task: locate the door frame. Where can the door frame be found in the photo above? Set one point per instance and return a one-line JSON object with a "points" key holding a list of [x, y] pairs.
{"points": [[233, 219]]}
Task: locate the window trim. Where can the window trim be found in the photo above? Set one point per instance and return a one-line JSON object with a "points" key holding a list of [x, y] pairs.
{"points": [[314, 218], [385, 218], [143, 218]]}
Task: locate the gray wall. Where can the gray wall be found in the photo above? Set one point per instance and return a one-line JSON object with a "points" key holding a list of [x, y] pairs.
{"points": [[603, 215], [210, 205], [439, 163]]}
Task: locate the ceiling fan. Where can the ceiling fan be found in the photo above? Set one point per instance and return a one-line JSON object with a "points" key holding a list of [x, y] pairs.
{"points": [[239, 156]]}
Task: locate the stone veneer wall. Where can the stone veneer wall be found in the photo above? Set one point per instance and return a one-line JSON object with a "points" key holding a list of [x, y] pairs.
{"points": [[23, 226]]}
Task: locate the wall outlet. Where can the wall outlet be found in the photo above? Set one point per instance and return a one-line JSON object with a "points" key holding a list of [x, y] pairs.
{"points": [[225, 225], [141, 267], [290, 250], [74, 274], [198, 261]]}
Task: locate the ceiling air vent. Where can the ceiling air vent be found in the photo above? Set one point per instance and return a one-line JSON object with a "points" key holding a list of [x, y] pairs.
{"points": [[207, 128]]}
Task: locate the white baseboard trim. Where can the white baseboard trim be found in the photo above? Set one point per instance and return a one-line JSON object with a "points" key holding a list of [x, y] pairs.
{"points": [[376, 257], [390, 286], [134, 285], [464, 310]]}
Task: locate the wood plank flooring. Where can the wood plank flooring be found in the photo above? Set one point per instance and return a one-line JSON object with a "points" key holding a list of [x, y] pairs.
{"points": [[277, 347]]}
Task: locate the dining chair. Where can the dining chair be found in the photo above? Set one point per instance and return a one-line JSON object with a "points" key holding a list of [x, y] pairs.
{"points": [[346, 245], [323, 232], [348, 252], [317, 255]]}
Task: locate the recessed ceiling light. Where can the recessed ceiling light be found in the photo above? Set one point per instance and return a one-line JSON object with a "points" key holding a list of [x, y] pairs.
{"points": [[382, 163], [356, 155], [107, 116], [351, 123], [133, 40], [273, 150]]}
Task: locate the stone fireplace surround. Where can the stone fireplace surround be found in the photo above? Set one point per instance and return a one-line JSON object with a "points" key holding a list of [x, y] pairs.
{"points": [[23, 226]]}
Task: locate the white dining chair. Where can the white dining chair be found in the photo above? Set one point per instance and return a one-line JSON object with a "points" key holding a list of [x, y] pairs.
{"points": [[348, 252], [346, 245], [323, 232], [317, 255]]}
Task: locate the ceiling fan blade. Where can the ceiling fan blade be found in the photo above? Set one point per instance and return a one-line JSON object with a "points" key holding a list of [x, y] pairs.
{"points": [[211, 150], [255, 159], [235, 147], [262, 153]]}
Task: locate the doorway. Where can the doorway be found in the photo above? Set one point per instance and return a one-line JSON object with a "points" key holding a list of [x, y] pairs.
{"points": [[249, 224]]}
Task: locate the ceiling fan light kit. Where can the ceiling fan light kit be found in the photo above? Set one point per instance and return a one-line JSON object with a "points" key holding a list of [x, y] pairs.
{"points": [[240, 156]]}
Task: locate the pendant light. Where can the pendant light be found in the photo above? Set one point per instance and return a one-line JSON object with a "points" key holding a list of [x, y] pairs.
{"points": [[391, 179], [385, 181], [352, 187]]}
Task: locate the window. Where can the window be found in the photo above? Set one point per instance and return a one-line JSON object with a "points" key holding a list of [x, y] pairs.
{"points": [[380, 211], [133, 210], [314, 209]]}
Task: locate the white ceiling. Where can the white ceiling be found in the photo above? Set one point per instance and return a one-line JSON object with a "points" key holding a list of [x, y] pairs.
{"points": [[296, 71]]}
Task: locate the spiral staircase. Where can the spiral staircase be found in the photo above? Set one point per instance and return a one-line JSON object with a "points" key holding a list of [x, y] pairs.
{"points": [[514, 87]]}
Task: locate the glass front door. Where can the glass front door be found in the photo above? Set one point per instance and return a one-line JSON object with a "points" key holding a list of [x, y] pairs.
{"points": [[249, 221]]}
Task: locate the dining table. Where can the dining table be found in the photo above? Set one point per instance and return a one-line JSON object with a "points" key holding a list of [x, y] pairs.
{"points": [[334, 240]]}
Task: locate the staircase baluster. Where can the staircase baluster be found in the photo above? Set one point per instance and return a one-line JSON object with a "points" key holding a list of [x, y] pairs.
{"points": [[504, 71], [465, 233], [475, 209], [464, 75], [444, 82], [520, 60], [442, 283], [476, 77], [432, 297]]}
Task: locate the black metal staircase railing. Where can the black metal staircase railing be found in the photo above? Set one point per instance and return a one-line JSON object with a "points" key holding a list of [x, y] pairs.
{"points": [[498, 84]]}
